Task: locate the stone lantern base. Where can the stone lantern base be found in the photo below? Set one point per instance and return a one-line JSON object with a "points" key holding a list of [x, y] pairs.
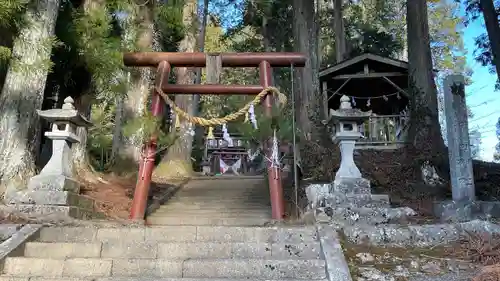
{"points": [[54, 192], [351, 185], [54, 195], [455, 211]]}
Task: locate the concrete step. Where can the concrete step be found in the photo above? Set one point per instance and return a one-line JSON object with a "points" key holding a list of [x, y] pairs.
{"points": [[179, 233], [225, 191], [152, 250], [207, 220], [191, 268], [228, 199], [12, 278], [202, 179], [213, 211], [210, 205], [257, 214]]}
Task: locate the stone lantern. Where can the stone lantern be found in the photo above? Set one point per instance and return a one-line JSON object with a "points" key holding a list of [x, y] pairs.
{"points": [[64, 121], [55, 190], [346, 121]]}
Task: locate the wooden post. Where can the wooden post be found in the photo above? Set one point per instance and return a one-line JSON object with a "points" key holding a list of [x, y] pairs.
{"points": [[139, 203], [274, 173]]}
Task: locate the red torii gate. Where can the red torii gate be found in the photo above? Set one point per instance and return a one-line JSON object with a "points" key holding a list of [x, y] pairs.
{"points": [[164, 62]]}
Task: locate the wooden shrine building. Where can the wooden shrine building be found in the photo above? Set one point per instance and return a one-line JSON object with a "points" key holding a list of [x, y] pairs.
{"points": [[373, 83]]}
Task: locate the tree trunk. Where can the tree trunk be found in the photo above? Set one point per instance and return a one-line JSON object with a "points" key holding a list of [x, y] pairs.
{"points": [[338, 27], [201, 45], [265, 28], [493, 29], [177, 162], [128, 148], [424, 132], [80, 157], [22, 95], [319, 7], [200, 131], [309, 99], [81, 163]]}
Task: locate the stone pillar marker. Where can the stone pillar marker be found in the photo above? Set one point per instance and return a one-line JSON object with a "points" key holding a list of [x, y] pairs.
{"points": [[462, 177], [346, 121], [55, 190], [463, 205], [460, 208]]}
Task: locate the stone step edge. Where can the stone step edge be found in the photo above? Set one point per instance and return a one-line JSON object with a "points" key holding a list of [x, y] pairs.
{"points": [[16, 242], [19, 266], [246, 222], [229, 260], [143, 227], [14, 278], [175, 233], [202, 178], [211, 215], [168, 221], [162, 250]]}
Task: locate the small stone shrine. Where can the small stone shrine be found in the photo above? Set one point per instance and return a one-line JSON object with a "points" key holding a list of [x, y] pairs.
{"points": [[55, 191], [348, 200], [222, 157]]}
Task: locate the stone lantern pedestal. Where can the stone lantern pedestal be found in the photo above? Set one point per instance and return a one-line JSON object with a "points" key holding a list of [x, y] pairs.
{"points": [[346, 121], [55, 191], [348, 200]]}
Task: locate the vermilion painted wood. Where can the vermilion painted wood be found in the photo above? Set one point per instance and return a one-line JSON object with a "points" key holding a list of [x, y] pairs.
{"points": [[152, 59], [164, 62]]}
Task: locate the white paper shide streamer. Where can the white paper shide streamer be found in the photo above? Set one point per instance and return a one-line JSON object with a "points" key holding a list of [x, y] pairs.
{"points": [[251, 116], [225, 167], [226, 136], [275, 158], [190, 130], [253, 154]]}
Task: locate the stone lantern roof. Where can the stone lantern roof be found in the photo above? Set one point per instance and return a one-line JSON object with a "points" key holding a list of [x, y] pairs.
{"points": [[66, 114], [347, 113]]}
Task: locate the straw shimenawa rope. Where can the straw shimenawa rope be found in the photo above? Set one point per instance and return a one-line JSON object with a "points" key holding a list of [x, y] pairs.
{"points": [[228, 118]]}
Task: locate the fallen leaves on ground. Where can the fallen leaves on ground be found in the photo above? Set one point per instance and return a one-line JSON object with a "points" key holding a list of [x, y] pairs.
{"points": [[112, 196], [488, 273], [482, 248]]}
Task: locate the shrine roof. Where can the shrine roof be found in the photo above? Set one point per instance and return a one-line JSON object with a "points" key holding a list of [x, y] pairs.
{"points": [[371, 81], [356, 64]]}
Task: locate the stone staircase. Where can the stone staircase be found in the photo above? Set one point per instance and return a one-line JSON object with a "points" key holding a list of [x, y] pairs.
{"points": [[183, 253], [226, 200], [196, 236]]}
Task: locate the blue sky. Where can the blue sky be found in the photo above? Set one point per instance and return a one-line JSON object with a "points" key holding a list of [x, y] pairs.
{"points": [[482, 98]]}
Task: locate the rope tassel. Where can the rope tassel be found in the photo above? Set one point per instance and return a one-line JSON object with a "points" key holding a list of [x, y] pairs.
{"points": [[177, 122], [210, 134]]}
